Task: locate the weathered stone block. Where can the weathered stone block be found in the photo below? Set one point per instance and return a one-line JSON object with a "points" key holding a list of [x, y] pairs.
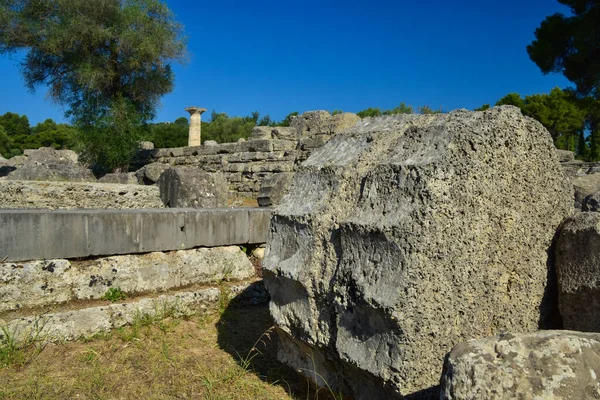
{"points": [[408, 234], [272, 189], [73, 195], [42, 283], [285, 133], [149, 174], [48, 164], [255, 145], [556, 365], [261, 133], [578, 272], [124, 178], [191, 187], [284, 145]]}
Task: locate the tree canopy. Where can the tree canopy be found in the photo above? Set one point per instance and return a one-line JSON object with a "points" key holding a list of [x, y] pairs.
{"points": [[558, 111], [108, 61], [570, 45]]}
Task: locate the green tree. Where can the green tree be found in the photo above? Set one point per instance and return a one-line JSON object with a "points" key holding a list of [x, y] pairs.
{"points": [[288, 119], [15, 124], [108, 61], [169, 134], [369, 112], [569, 45], [558, 111], [483, 108], [224, 129], [5, 143], [402, 109], [51, 134]]}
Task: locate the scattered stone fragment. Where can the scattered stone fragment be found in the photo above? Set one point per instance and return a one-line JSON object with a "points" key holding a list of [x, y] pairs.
{"points": [[48, 164], [549, 365]]}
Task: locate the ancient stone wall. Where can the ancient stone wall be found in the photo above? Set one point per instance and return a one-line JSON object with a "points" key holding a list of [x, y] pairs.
{"points": [[247, 164]]}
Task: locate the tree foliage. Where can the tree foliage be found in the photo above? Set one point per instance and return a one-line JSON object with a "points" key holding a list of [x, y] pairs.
{"points": [[20, 136], [570, 45], [559, 111], [108, 61]]}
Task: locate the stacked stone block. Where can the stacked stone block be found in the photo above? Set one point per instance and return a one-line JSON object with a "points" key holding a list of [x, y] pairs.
{"points": [[246, 165]]}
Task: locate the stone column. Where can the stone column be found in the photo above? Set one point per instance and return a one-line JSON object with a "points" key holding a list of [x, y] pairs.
{"points": [[195, 125]]}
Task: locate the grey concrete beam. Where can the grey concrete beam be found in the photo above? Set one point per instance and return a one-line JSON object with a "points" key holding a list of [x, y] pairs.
{"points": [[44, 234]]}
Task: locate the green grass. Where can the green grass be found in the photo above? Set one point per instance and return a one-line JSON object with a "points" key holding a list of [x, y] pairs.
{"points": [[226, 352]]}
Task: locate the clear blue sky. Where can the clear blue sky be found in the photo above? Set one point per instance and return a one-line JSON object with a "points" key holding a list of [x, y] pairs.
{"points": [[278, 56]]}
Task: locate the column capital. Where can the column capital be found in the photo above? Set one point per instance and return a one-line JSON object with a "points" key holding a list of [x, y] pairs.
{"points": [[195, 110]]}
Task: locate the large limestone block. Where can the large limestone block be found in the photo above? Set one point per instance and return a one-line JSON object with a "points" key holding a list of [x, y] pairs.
{"points": [[322, 123], [48, 164], [549, 365], [191, 187], [408, 234], [72, 195], [578, 272], [47, 282]]}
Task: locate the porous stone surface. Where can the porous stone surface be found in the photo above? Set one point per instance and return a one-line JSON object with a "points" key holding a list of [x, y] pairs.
{"points": [[72, 195], [272, 190], [591, 202], [48, 164], [548, 365], [150, 174], [191, 187], [578, 272], [44, 282], [584, 186], [405, 235], [322, 122], [125, 178], [261, 133]]}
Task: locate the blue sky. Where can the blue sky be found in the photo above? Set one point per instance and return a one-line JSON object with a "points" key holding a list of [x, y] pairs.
{"points": [[278, 56]]}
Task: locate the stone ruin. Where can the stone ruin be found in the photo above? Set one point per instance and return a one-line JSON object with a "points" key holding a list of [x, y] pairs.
{"points": [[408, 235], [406, 248]]}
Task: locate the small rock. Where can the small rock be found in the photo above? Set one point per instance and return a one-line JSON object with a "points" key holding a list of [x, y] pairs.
{"points": [[557, 365]]}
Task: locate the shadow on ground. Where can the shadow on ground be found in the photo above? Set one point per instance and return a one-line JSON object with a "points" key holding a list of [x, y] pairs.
{"points": [[245, 331]]}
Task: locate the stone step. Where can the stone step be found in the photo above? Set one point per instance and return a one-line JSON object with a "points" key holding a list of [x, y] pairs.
{"points": [[46, 282], [76, 320]]}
